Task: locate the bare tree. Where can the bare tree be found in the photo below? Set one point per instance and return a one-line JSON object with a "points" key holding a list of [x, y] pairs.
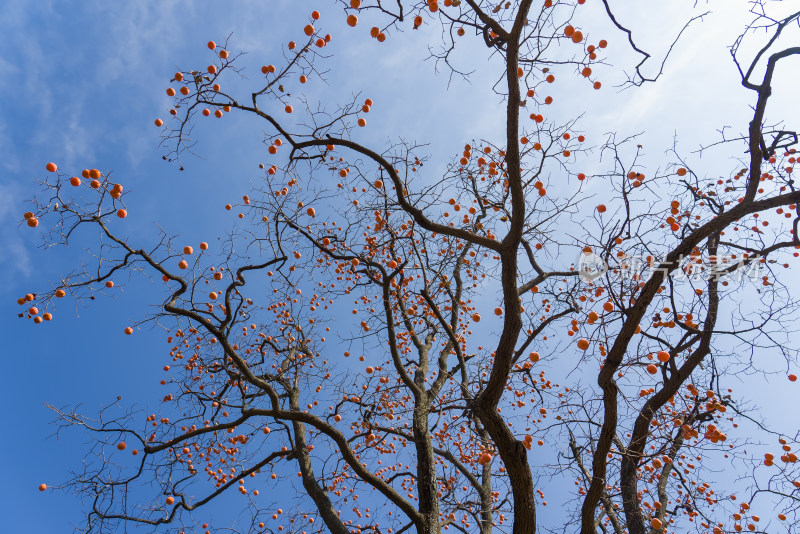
{"points": [[437, 426]]}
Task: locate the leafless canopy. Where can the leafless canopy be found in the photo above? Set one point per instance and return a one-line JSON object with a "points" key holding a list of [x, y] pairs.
{"points": [[440, 427]]}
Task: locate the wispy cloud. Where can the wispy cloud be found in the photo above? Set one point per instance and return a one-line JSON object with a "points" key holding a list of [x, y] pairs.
{"points": [[9, 157], [15, 260]]}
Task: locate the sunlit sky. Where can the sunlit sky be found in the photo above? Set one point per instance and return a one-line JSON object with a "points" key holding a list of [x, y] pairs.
{"points": [[83, 81]]}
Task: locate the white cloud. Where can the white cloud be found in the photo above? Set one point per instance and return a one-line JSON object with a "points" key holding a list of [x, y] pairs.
{"points": [[15, 259], [8, 151]]}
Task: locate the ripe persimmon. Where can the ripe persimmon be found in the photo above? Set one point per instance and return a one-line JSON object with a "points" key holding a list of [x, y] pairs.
{"points": [[583, 344], [128, 331], [42, 487], [51, 167]]}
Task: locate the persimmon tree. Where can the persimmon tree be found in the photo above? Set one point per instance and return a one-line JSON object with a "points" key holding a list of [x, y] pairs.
{"points": [[406, 414]]}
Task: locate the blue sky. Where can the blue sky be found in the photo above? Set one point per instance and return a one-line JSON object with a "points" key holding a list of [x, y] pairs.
{"points": [[82, 84]]}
